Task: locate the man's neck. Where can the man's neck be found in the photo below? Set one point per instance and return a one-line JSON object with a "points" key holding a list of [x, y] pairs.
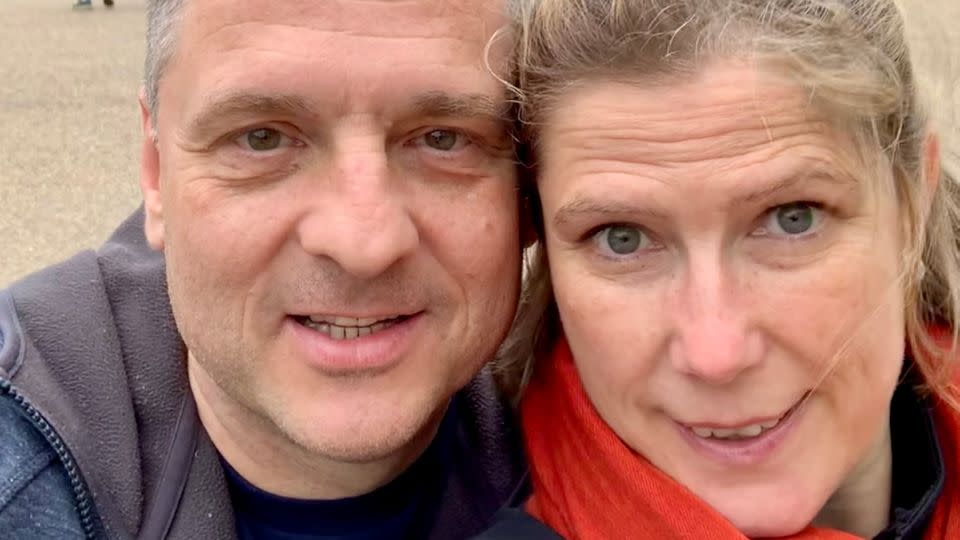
{"points": [[269, 460], [861, 505]]}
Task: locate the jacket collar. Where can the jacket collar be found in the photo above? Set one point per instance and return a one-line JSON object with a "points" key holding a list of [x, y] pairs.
{"points": [[918, 465]]}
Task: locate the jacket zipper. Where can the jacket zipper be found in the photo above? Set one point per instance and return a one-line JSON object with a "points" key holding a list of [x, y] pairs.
{"points": [[81, 493]]}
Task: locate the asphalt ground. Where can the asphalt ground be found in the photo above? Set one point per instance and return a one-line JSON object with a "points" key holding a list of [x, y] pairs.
{"points": [[69, 124], [69, 127]]}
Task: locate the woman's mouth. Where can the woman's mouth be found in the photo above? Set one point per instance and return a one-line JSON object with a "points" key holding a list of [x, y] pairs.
{"points": [[746, 443]]}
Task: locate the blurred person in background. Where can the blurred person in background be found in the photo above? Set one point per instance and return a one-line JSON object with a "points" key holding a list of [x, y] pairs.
{"points": [[80, 4]]}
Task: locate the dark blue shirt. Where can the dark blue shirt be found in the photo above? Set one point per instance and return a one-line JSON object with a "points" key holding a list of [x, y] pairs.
{"points": [[403, 509]]}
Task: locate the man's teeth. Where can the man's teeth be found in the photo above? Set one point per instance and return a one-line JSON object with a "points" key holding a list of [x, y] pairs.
{"points": [[745, 432], [347, 327], [345, 322]]}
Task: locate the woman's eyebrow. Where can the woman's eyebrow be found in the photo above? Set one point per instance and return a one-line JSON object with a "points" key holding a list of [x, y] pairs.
{"points": [[789, 181], [586, 206]]}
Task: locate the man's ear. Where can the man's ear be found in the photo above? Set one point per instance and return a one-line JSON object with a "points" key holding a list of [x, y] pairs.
{"points": [[150, 177]]}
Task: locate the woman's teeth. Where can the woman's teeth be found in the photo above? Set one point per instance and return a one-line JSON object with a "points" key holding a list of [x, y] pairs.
{"points": [[745, 432], [339, 328]]}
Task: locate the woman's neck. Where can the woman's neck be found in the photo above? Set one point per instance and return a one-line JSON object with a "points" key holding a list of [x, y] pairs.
{"points": [[861, 505]]}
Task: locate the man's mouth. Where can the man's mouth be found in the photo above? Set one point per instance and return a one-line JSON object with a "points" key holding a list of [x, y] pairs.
{"points": [[340, 328]]}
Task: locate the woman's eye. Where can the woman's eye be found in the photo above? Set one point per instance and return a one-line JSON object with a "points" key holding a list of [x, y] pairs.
{"points": [[262, 139], [443, 140], [622, 239], [794, 219]]}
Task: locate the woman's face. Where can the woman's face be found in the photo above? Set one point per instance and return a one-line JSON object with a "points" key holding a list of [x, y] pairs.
{"points": [[716, 263]]}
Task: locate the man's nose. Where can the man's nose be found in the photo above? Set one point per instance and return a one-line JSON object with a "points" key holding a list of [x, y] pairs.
{"points": [[360, 219], [714, 339]]}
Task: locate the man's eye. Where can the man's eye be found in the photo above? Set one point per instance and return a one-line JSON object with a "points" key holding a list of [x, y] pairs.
{"points": [[443, 140], [262, 140]]}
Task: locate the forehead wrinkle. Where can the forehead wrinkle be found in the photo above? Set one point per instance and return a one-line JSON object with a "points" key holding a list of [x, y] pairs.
{"points": [[234, 38], [237, 33], [238, 28], [670, 119], [621, 149], [298, 96], [611, 139], [409, 19], [703, 127], [745, 180]]}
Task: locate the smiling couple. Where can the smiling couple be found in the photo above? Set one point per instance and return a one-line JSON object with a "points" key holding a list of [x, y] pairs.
{"points": [[738, 318]]}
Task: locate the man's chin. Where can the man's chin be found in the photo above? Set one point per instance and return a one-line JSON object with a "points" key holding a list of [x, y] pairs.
{"points": [[364, 439]]}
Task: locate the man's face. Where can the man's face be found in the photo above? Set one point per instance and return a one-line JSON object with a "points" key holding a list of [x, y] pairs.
{"points": [[335, 196]]}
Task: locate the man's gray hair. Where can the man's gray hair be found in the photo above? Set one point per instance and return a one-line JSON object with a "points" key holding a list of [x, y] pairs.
{"points": [[162, 19]]}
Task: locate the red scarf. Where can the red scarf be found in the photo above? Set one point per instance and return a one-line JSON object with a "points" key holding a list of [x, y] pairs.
{"points": [[588, 485]]}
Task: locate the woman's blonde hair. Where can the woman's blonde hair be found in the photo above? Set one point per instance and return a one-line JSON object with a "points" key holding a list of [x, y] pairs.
{"points": [[851, 57]]}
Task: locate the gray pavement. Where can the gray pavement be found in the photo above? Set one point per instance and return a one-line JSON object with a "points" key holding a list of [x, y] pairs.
{"points": [[69, 125]]}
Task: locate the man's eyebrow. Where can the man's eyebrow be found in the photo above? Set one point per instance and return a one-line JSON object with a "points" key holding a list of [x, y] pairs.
{"points": [[246, 103], [437, 103], [581, 207], [463, 105]]}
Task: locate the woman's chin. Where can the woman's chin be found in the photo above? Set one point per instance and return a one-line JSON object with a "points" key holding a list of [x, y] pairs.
{"points": [[769, 527], [766, 516]]}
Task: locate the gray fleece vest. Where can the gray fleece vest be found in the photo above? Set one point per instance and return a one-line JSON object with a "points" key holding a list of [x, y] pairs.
{"points": [[91, 357]]}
